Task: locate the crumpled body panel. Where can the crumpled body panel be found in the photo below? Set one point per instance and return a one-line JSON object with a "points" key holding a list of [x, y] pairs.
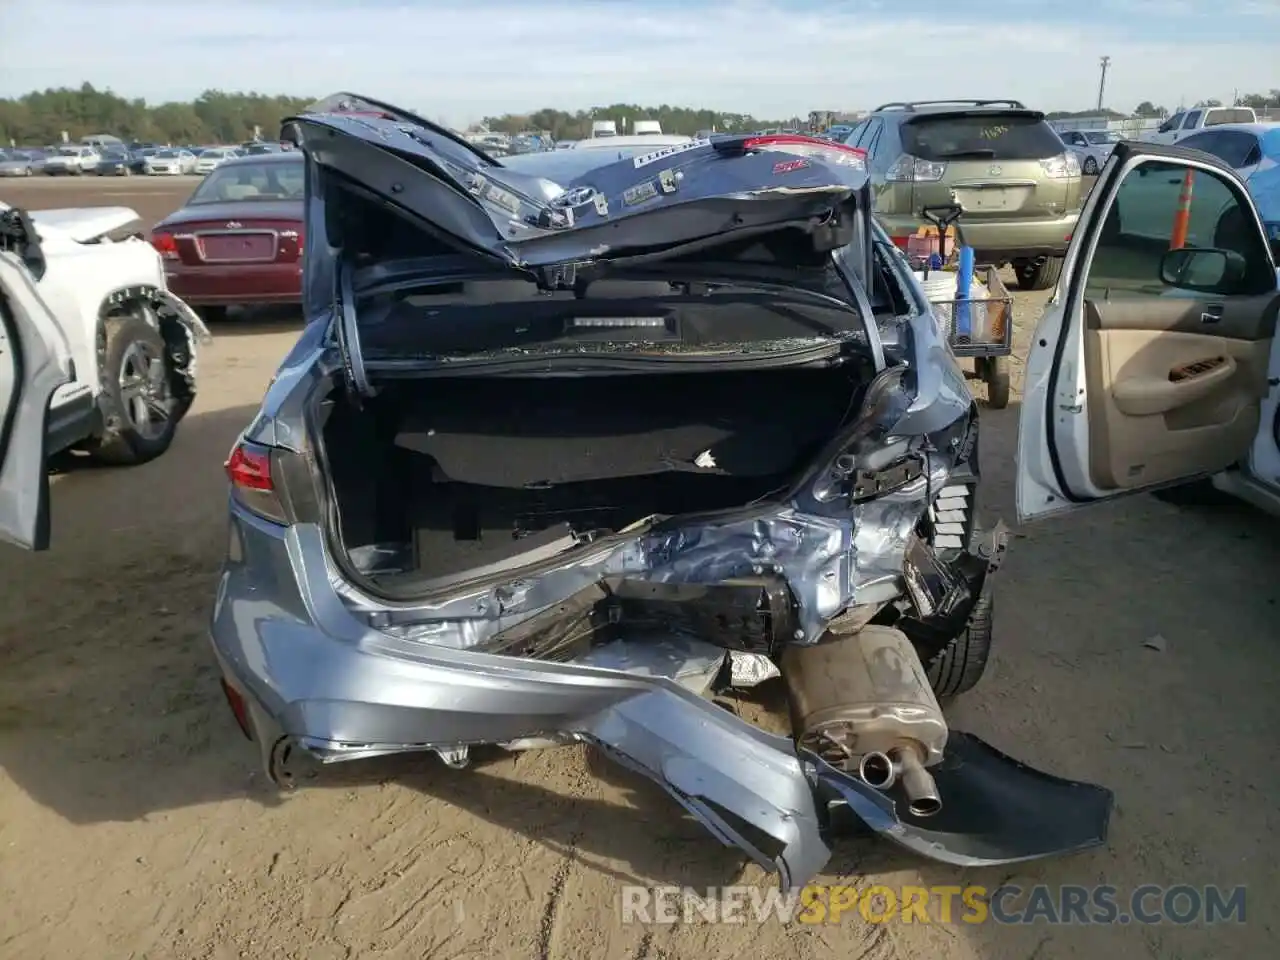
{"points": [[313, 675]]}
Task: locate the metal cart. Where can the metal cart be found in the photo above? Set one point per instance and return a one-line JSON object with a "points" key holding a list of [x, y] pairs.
{"points": [[988, 341]]}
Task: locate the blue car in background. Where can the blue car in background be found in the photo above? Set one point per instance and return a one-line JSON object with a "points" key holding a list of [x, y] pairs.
{"points": [[1253, 151]]}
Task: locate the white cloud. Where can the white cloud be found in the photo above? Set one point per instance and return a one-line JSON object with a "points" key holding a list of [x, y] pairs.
{"points": [[462, 60]]}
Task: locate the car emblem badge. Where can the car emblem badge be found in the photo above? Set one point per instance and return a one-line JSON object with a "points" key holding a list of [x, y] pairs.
{"points": [[995, 171], [234, 225]]}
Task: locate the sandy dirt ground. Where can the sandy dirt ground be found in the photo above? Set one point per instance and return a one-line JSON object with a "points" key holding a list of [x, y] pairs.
{"points": [[134, 821]]}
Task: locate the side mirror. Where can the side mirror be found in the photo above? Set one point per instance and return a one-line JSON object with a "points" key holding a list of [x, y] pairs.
{"points": [[1206, 270]]}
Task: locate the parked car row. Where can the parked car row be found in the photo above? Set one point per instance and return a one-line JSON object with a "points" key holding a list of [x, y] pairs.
{"points": [[109, 161]]}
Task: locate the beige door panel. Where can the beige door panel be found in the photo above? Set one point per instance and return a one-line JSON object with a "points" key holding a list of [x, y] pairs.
{"points": [[1243, 318], [1171, 395]]}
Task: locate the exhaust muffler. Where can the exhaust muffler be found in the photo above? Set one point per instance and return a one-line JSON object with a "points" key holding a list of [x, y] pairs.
{"points": [[863, 704]]}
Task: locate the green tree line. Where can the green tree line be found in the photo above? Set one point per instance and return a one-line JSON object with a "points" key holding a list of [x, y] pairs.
{"points": [[218, 116], [215, 116]]}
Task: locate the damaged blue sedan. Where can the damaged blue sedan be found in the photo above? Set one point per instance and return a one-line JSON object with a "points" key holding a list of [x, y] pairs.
{"points": [[564, 452]]}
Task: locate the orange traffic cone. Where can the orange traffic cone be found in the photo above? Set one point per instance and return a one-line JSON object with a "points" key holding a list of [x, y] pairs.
{"points": [[1182, 219]]}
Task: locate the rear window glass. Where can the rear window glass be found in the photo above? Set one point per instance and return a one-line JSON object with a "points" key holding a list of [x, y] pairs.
{"points": [[251, 181], [1228, 115], [984, 136]]}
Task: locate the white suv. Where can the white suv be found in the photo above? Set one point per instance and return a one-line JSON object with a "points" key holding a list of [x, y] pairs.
{"points": [[113, 369]]}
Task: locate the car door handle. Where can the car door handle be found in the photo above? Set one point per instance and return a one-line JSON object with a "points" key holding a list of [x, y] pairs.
{"points": [[1148, 396], [1212, 313]]}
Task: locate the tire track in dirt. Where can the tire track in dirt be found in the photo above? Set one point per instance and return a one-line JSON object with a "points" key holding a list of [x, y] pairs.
{"points": [[547, 927]]}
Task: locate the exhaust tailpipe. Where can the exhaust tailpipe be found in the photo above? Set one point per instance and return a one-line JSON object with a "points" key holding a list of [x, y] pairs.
{"points": [[863, 704], [918, 784], [882, 771], [877, 770]]}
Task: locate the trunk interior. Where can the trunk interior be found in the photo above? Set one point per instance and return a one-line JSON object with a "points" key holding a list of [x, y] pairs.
{"points": [[437, 477]]}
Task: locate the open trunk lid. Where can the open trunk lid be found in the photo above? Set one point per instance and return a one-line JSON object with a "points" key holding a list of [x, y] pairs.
{"points": [[796, 197], [659, 202]]}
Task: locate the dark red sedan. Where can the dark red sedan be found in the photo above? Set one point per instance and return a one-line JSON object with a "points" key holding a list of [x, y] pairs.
{"points": [[238, 239]]}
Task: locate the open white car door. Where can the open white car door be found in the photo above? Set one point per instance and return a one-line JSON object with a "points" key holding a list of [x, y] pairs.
{"points": [[1149, 365], [34, 361]]}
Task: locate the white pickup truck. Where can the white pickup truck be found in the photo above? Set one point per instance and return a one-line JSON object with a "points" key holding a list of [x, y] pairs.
{"points": [[1194, 119]]}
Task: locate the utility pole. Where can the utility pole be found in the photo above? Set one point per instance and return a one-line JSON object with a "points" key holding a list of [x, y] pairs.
{"points": [[1102, 84]]}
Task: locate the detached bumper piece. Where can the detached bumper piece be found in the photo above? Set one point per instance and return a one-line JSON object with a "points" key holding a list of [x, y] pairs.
{"points": [[626, 665], [998, 810]]}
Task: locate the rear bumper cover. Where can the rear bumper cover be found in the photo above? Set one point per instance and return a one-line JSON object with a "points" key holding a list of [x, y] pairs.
{"points": [[314, 677], [236, 283], [995, 240]]}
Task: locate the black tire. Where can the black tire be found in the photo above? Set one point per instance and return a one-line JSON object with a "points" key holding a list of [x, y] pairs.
{"points": [[128, 440], [995, 373], [998, 391], [1033, 276], [1090, 167], [212, 314], [959, 665]]}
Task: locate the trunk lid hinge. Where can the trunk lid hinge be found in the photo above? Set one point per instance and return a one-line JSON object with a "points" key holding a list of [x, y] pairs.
{"points": [[347, 334]]}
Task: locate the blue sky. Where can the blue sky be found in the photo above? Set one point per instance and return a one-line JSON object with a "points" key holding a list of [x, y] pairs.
{"points": [[462, 59]]}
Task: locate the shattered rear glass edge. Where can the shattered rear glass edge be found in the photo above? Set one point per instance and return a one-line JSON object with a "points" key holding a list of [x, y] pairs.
{"points": [[846, 539]]}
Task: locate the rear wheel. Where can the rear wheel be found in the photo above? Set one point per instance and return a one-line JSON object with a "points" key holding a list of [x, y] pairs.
{"points": [[1090, 167], [138, 402], [1038, 276], [994, 371], [959, 665]]}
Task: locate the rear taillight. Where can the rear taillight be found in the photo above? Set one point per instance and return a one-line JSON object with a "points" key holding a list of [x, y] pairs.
{"points": [[165, 245], [252, 484], [803, 146], [795, 144], [1063, 166], [909, 169], [239, 709]]}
